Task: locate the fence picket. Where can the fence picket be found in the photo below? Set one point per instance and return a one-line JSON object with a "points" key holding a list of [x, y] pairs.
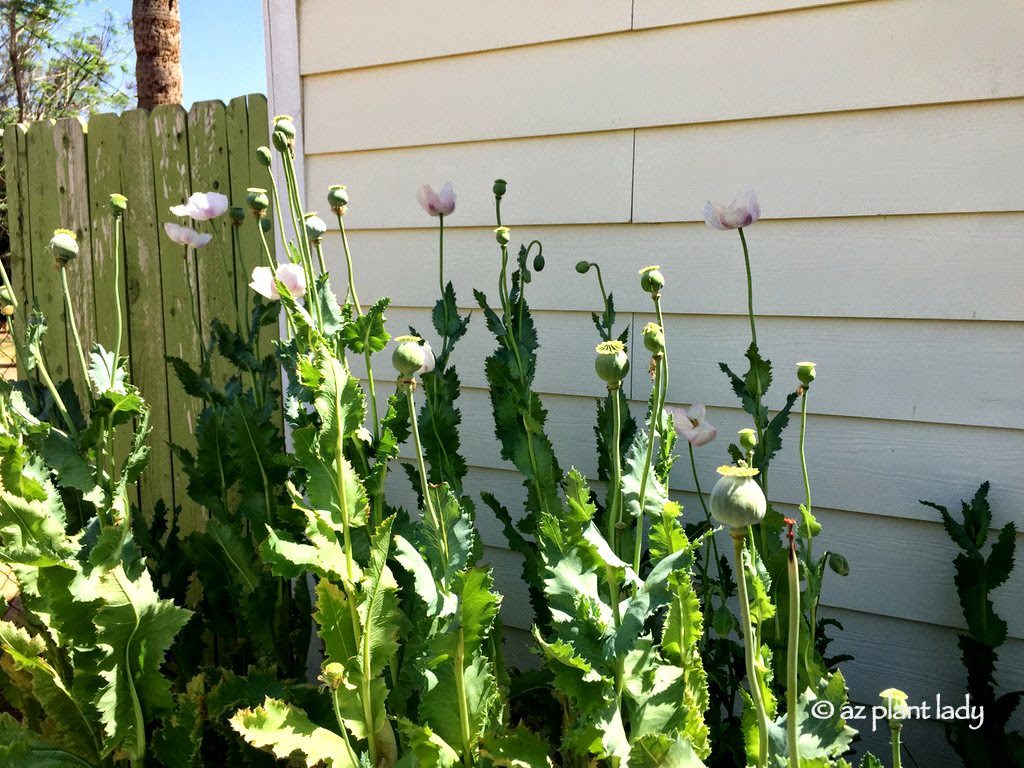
{"points": [[42, 194], [69, 142], [17, 221], [145, 303], [172, 185], [208, 165]]}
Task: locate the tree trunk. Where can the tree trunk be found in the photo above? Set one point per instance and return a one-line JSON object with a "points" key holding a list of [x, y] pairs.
{"points": [[157, 28]]}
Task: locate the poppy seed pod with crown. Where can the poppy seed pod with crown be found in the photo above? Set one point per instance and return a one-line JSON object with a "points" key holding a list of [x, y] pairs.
{"points": [[337, 198], [737, 500], [611, 363], [64, 245], [503, 235], [806, 373], [316, 227], [651, 279], [654, 339], [118, 204], [258, 200], [409, 355]]}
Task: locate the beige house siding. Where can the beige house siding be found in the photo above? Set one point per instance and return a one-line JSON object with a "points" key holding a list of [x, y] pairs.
{"points": [[884, 141]]}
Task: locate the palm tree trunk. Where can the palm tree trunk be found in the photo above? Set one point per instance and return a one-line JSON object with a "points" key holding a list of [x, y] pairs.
{"points": [[157, 28]]}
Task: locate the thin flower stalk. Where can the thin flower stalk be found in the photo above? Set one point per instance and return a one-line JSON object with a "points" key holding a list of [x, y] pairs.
{"points": [[793, 651], [74, 329], [739, 536]]}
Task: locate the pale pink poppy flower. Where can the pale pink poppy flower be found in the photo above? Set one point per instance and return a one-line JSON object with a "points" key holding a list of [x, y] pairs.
{"points": [[429, 361], [290, 275], [202, 206], [743, 212], [186, 235], [437, 203], [692, 424]]}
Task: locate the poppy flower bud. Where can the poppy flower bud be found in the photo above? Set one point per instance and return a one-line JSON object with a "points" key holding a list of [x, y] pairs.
{"points": [[500, 185], [583, 267], [266, 224], [503, 235], [118, 204], [315, 227], [280, 141], [612, 363], [538, 262], [806, 373], [64, 245], [409, 356], [258, 200], [263, 156], [337, 198], [654, 339], [237, 214], [651, 279], [748, 439], [737, 500]]}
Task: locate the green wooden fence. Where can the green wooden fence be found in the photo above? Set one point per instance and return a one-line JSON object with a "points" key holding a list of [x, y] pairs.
{"points": [[62, 174]]}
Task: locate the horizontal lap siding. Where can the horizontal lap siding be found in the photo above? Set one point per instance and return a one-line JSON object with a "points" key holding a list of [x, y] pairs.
{"points": [[881, 137], [854, 56]]}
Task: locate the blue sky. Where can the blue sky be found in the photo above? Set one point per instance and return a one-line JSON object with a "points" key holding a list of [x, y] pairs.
{"points": [[221, 44]]}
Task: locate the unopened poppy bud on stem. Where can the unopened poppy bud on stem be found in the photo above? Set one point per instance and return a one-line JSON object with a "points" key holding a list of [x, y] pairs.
{"points": [[583, 267], [748, 439], [806, 373], [64, 245], [611, 363], [263, 156], [409, 355], [654, 339], [652, 280], [237, 214], [503, 235]]}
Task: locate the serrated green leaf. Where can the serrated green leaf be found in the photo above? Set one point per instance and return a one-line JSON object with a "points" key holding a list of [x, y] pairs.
{"points": [[518, 748], [288, 733]]}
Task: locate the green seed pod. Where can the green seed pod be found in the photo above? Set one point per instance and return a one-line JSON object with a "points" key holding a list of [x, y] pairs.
{"points": [[503, 235], [654, 338], [316, 227], [583, 267], [258, 200], [806, 372], [895, 704], [337, 198], [237, 214], [651, 279], [64, 245], [283, 124], [409, 355], [737, 500], [263, 156], [748, 439], [500, 185], [611, 363], [118, 204]]}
